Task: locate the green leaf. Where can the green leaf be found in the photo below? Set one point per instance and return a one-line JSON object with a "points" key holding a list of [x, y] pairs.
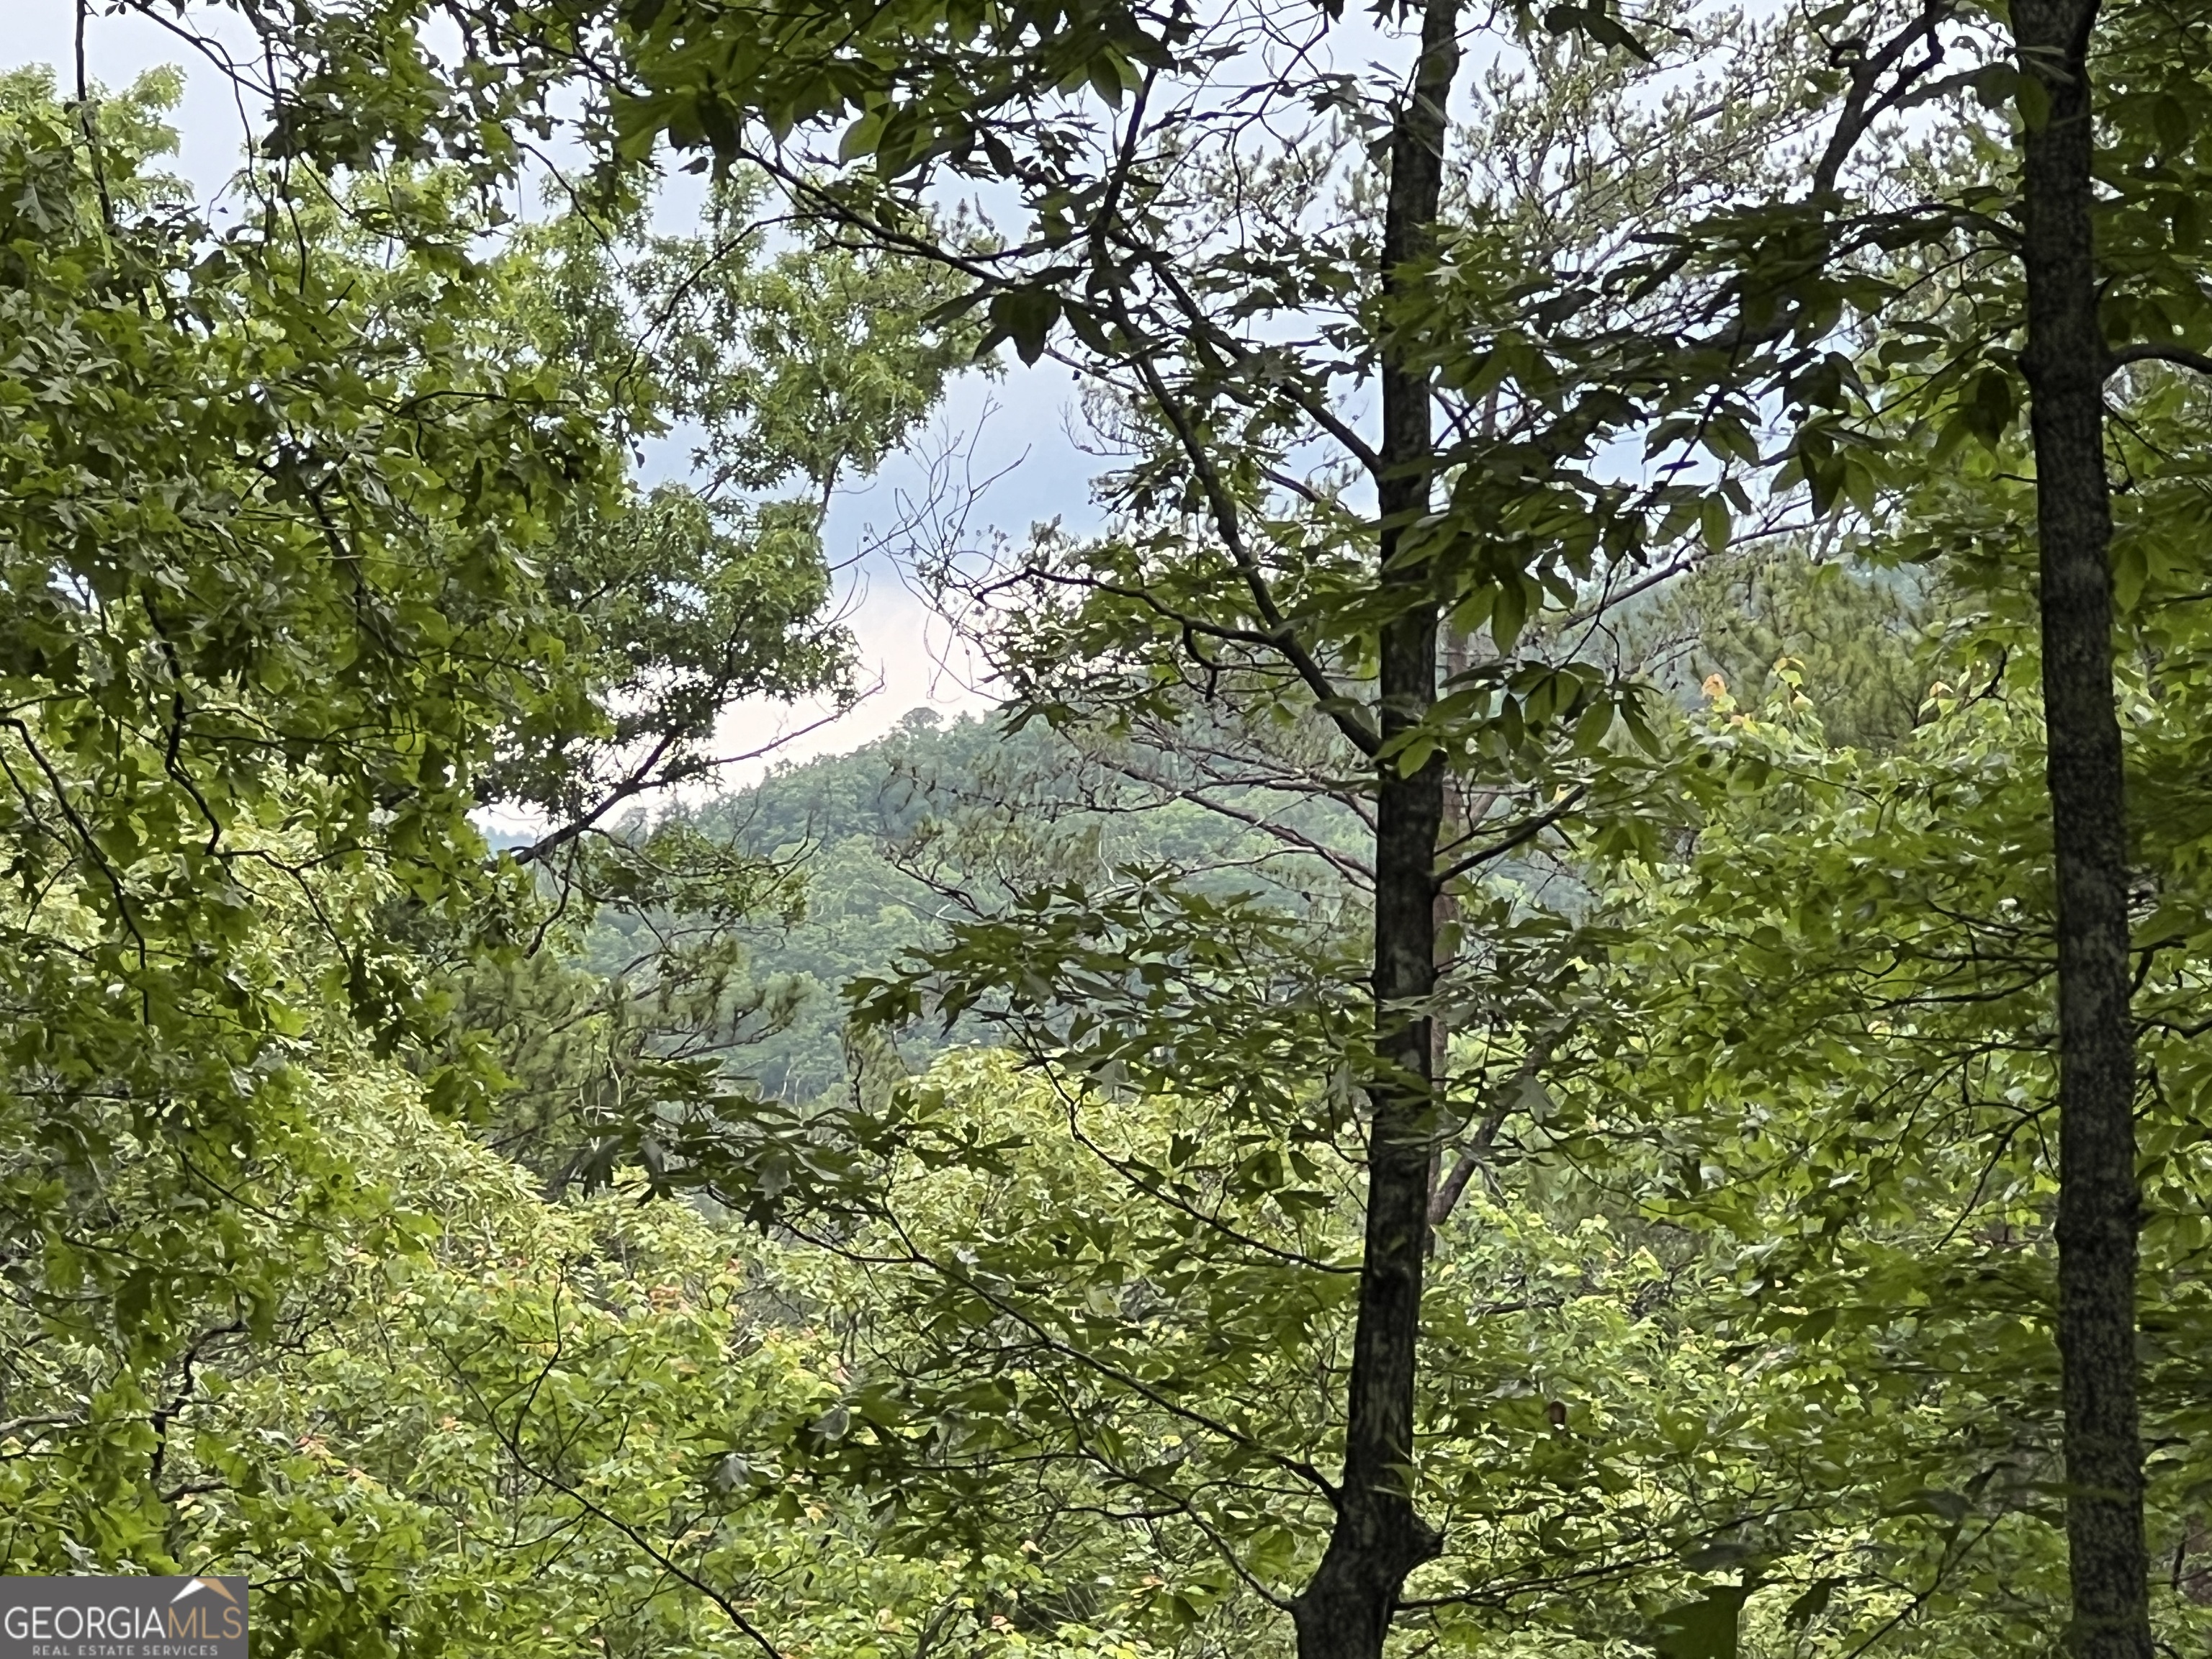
{"points": [[1598, 24], [862, 137], [1706, 1628], [1509, 614], [1715, 523], [1812, 1604], [1025, 316]]}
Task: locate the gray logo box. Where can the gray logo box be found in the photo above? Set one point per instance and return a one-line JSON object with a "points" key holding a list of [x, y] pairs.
{"points": [[123, 1618]]}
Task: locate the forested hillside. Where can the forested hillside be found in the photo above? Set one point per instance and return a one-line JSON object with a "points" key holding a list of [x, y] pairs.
{"points": [[1559, 1012], [891, 843]]}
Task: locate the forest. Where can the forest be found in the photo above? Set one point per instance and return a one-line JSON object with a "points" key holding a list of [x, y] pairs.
{"points": [[1560, 1007]]}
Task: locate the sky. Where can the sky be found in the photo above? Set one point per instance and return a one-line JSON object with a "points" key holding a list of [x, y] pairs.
{"points": [[1013, 429]]}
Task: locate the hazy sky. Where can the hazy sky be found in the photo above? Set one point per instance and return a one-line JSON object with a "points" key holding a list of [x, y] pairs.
{"points": [[1014, 427]]}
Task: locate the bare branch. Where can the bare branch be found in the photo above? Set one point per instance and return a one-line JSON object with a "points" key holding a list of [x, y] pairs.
{"points": [[2179, 356]]}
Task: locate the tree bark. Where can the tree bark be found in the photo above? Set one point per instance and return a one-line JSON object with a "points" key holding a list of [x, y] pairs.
{"points": [[1378, 1538], [2067, 363]]}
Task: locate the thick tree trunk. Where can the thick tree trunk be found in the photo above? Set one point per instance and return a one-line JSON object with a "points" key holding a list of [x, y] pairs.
{"points": [[1379, 1538], [2067, 363]]}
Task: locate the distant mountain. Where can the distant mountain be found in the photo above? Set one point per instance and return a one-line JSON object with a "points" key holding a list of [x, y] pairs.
{"points": [[899, 837]]}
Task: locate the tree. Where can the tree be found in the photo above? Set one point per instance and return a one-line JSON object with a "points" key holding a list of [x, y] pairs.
{"points": [[1226, 293], [793, 369], [2081, 270], [1859, 632], [1230, 307], [313, 531], [2067, 361], [266, 535], [1227, 304]]}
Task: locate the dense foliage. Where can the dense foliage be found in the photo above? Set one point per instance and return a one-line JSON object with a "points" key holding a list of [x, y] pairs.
{"points": [[1486, 1055]]}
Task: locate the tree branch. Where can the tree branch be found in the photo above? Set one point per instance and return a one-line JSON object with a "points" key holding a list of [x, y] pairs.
{"points": [[2179, 356]]}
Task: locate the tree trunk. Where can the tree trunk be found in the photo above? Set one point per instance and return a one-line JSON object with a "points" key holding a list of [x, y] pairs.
{"points": [[1379, 1538], [2067, 363]]}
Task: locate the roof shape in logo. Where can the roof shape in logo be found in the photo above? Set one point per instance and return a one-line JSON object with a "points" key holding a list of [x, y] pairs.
{"points": [[214, 1584]]}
